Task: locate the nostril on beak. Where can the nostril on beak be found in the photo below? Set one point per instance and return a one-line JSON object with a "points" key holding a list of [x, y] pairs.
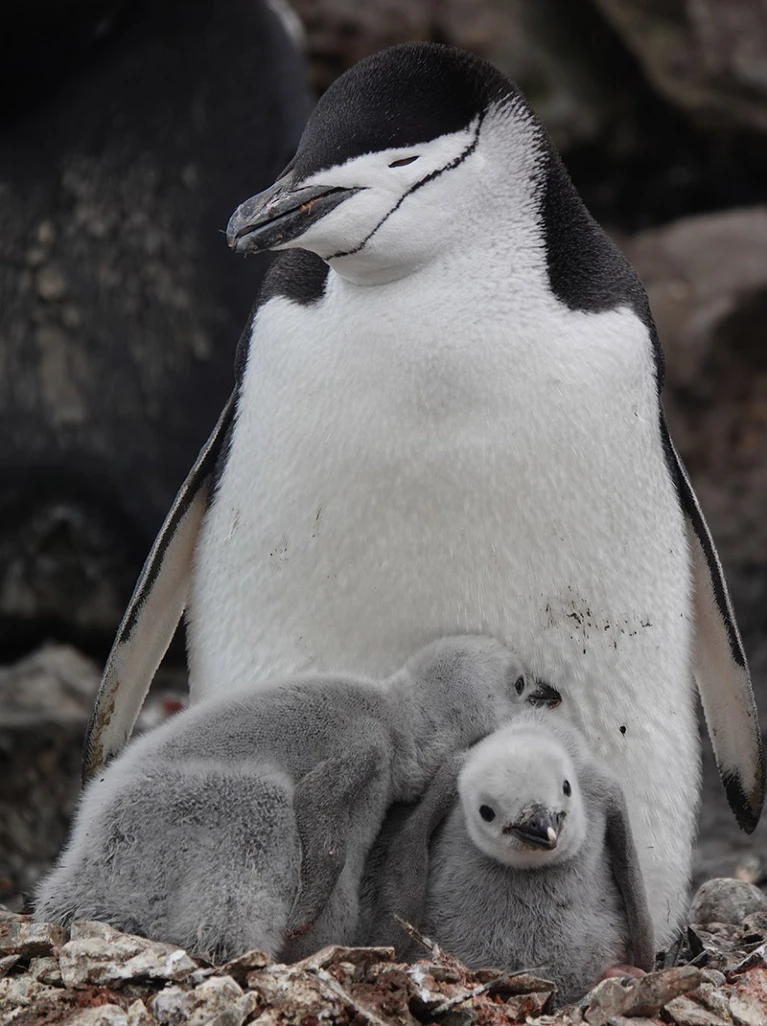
{"points": [[537, 828]]}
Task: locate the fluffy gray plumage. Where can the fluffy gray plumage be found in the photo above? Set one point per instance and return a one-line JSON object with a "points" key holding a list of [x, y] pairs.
{"points": [[549, 881], [245, 823]]}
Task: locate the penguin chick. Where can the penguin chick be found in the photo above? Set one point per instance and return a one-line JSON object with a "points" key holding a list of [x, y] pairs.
{"points": [[246, 820], [535, 867]]}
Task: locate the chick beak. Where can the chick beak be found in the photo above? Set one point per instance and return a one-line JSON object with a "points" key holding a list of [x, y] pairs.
{"points": [[280, 214], [537, 827], [544, 696]]}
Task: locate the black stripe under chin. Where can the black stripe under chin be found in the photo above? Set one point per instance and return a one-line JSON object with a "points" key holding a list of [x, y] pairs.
{"points": [[429, 178]]}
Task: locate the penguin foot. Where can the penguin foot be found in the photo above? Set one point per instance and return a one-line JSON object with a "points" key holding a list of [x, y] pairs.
{"points": [[622, 969]]}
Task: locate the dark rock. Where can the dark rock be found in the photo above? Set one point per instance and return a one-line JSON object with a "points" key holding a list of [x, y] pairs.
{"points": [[707, 282], [555, 53], [45, 701], [121, 159], [705, 56]]}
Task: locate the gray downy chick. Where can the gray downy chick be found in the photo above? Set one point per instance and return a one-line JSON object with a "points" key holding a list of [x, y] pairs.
{"points": [[244, 822], [534, 867]]}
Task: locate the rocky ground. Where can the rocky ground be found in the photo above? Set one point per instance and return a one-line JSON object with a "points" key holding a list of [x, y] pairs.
{"points": [[93, 975]]}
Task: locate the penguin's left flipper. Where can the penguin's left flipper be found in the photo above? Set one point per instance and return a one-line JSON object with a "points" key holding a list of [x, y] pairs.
{"points": [[405, 873], [607, 792], [153, 613], [719, 664], [326, 802]]}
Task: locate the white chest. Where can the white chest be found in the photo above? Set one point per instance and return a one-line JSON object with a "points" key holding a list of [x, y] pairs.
{"points": [[401, 471]]}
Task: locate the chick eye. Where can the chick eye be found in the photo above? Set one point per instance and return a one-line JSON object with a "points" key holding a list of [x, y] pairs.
{"points": [[566, 788], [487, 813], [403, 161], [519, 685]]}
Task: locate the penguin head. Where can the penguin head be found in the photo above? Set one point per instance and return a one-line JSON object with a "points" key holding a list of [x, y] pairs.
{"points": [[473, 683], [520, 796], [399, 154]]}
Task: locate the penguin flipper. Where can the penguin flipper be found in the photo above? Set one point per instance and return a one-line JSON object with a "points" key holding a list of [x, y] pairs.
{"points": [[153, 612], [624, 860], [719, 664], [405, 873], [325, 803]]}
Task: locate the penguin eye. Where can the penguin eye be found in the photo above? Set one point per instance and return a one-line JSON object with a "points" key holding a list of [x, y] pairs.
{"points": [[519, 685], [403, 161], [487, 813], [566, 788]]}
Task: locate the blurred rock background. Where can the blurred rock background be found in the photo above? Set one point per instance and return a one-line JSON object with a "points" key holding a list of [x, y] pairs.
{"points": [[128, 133]]}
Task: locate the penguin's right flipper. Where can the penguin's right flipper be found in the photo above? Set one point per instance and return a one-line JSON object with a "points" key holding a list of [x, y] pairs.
{"points": [[404, 877], [720, 667], [625, 864], [154, 611], [325, 803]]}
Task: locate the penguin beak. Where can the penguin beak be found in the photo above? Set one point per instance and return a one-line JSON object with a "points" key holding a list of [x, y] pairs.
{"points": [[280, 214], [544, 696], [537, 827]]}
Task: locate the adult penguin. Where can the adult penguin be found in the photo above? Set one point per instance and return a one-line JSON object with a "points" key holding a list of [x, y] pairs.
{"points": [[447, 419]]}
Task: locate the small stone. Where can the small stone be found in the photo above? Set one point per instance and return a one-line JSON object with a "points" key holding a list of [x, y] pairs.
{"points": [[22, 991], [747, 1010], [713, 976], [239, 967], [23, 937], [46, 970], [652, 992], [51, 284], [139, 1016], [624, 1020], [606, 1000], [338, 953], [98, 954], [726, 901], [715, 999], [218, 996], [755, 924], [639, 997], [7, 963], [686, 1012], [523, 1007], [101, 1015], [755, 959], [172, 1005], [748, 1002]]}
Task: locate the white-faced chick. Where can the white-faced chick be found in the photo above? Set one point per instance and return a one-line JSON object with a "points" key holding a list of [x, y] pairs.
{"points": [[535, 866]]}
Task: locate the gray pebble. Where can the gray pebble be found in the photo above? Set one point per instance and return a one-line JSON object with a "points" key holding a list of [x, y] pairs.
{"points": [[726, 901]]}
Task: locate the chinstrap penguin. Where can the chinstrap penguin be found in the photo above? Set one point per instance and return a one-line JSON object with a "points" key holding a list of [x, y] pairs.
{"points": [[447, 419], [535, 867], [247, 819]]}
